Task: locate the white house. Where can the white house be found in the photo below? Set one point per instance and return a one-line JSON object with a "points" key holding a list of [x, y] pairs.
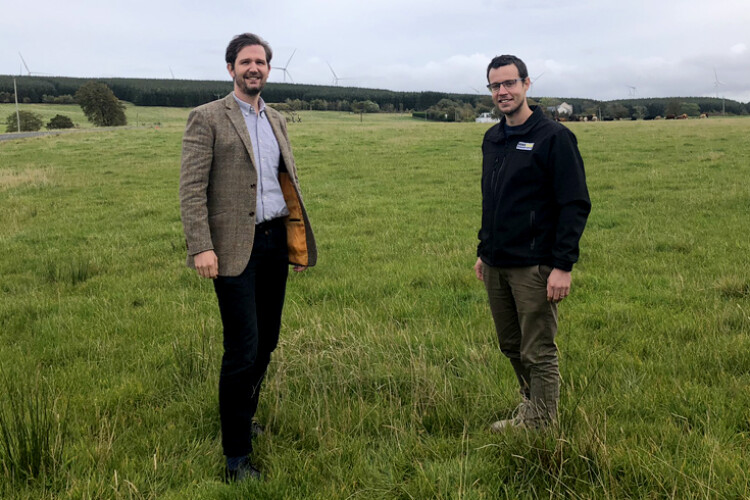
{"points": [[486, 118], [565, 109]]}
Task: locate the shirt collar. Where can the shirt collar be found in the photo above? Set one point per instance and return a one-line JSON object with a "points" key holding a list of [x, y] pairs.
{"points": [[247, 109]]}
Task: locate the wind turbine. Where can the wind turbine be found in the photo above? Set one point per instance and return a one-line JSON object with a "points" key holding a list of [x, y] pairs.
{"points": [[336, 78], [632, 91], [533, 81], [28, 71], [24, 64], [717, 83], [284, 68]]}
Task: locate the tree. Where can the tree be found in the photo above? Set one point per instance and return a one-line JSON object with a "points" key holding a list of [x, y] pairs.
{"points": [[100, 105], [367, 106], [691, 108], [654, 109], [616, 110], [60, 99], [319, 104], [296, 104], [639, 112], [673, 108], [30, 122], [60, 121]]}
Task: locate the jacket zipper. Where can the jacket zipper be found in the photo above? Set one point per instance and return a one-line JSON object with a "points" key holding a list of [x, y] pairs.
{"points": [[495, 180], [532, 218]]}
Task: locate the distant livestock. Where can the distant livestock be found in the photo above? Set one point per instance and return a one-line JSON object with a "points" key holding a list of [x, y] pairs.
{"points": [[683, 116], [704, 115]]}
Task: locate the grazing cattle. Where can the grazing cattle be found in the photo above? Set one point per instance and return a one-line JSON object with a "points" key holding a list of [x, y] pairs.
{"points": [[657, 117], [670, 117], [704, 115], [683, 116]]}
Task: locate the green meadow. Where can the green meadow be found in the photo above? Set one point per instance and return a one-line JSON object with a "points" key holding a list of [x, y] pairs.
{"points": [[388, 374]]}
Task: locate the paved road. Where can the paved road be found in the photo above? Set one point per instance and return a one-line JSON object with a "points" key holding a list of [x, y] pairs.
{"points": [[26, 135]]}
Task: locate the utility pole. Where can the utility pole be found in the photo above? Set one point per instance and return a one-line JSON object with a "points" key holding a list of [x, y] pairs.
{"points": [[18, 115]]}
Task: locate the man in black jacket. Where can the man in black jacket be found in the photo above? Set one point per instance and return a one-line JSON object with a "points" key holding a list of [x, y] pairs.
{"points": [[534, 208]]}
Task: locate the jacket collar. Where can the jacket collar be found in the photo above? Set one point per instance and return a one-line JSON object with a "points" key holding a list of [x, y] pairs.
{"points": [[238, 121], [497, 133]]}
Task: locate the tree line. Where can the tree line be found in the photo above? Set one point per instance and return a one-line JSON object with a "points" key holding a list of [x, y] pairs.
{"points": [[435, 105], [191, 93]]}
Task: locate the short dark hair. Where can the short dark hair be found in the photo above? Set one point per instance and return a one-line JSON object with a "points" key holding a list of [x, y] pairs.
{"points": [[505, 60], [241, 41]]}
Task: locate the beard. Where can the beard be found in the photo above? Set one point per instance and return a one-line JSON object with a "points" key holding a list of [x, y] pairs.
{"points": [[515, 107], [239, 80]]}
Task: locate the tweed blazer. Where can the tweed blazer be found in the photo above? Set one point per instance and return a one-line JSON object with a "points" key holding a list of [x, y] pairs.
{"points": [[218, 179]]}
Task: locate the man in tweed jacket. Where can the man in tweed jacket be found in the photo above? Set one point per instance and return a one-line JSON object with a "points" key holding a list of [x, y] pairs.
{"points": [[245, 223]]}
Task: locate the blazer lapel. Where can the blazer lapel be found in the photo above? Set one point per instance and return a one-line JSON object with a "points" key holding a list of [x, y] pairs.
{"points": [[235, 117], [282, 139]]}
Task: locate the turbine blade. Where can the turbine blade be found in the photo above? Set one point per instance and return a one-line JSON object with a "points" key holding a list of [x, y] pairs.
{"points": [[331, 68], [24, 64], [290, 58]]}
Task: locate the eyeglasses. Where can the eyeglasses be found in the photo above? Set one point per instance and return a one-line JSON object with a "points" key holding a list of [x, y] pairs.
{"points": [[508, 84]]}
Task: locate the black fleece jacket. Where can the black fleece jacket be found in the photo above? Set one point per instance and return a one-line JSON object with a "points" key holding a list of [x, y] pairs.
{"points": [[534, 197]]}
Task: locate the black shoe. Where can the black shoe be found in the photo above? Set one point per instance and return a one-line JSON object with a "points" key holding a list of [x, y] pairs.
{"points": [[256, 429], [244, 472]]}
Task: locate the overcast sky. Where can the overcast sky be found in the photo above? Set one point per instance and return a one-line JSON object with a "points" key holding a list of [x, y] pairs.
{"points": [[601, 49]]}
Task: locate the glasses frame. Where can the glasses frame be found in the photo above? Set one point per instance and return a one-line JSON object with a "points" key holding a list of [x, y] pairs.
{"points": [[508, 84]]}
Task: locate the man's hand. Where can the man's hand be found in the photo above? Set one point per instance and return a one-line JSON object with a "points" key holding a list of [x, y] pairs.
{"points": [[478, 269], [299, 269], [207, 264], [558, 285]]}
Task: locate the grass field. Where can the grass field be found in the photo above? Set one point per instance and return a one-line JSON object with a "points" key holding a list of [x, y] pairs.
{"points": [[388, 374]]}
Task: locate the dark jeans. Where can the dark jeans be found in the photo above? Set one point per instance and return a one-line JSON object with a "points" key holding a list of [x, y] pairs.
{"points": [[250, 306]]}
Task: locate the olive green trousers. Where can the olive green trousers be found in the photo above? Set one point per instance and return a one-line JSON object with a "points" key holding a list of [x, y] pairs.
{"points": [[526, 325]]}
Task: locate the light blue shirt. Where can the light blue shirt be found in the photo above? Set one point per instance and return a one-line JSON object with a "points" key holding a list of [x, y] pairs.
{"points": [[270, 202]]}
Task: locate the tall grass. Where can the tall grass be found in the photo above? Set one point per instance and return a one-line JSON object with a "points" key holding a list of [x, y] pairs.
{"points": [[70, 270], [193, 358], [32, 429]]}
